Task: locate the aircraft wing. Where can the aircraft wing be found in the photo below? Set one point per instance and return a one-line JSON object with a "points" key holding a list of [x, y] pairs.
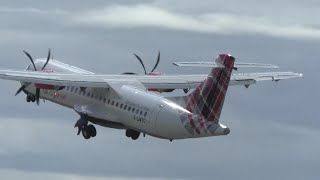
{"points": [[148, 81]]}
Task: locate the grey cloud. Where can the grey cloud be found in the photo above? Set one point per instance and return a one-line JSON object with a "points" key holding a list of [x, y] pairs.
{"points": [[147, 15], [253, 148], [224, 20], [31, 10], [16, 174]]}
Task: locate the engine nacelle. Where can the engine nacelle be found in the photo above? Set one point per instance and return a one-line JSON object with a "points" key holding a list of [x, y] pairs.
{"points": [[49, 87]]}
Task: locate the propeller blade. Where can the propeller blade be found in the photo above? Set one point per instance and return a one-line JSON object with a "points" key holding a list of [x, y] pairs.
{"points": [[48, 58], [20, 89], [144, 68], [38, 96], [158, 60], [29, 56]]}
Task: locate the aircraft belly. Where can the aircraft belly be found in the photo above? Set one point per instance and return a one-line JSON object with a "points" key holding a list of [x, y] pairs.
{"points": [[168, 124]]}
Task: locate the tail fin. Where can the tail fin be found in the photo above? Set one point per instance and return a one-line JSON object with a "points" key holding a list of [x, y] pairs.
{"points": [[208, 98]]}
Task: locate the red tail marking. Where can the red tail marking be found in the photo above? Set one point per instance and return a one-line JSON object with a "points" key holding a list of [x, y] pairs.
{"points": [[207, 100]]}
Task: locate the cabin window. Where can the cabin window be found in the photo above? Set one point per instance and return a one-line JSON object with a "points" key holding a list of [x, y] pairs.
{"points": [[133, 109], [104, 100], [141, 113], [129, 108], [117, 104], [108, 101], [72, 88], [125, 107], [121, 105]]}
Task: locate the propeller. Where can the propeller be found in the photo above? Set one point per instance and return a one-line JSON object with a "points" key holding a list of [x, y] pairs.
{"points": [[143, 66], [48, 59], [157, 63], [23, 87]]}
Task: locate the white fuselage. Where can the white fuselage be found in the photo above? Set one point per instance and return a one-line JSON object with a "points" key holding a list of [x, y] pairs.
{"points": [[137, 109]]}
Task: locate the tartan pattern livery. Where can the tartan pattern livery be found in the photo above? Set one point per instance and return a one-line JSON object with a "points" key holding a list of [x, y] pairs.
{"points": [[206, 102]]}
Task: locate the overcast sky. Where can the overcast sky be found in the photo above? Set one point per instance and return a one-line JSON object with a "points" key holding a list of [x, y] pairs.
{"points": [[274, 126]]}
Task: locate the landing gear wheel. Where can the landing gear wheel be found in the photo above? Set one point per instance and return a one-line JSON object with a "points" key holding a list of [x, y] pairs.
{"points": [[133, 134], [28, 99], [128, 134], [86, 133], [92, 130]]}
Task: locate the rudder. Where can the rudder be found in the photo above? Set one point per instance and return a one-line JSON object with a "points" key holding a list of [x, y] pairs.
{"points": [[208, 98]]}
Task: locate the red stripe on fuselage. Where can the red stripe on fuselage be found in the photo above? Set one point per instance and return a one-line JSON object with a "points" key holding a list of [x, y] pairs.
{"points": [[45, 86]]}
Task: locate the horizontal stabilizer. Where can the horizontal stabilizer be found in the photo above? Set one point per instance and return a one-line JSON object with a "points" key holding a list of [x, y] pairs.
{"points": [[212, 64]]}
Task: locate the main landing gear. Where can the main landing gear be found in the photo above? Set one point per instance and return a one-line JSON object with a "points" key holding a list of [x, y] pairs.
{"points": [[30, 98], [133, 134], [88, 131]]}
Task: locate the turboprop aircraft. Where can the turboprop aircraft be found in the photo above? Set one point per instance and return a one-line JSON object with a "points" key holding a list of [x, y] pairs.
{"points": [[128, 101]]}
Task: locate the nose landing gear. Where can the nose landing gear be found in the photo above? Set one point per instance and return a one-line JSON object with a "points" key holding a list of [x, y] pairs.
{"points": [[88, 131]]}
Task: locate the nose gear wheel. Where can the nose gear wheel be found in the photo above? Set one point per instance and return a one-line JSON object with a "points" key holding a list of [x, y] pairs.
{"points": [[87, 131]]}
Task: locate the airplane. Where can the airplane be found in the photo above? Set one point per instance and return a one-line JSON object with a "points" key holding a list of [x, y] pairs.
{"points": [[128, 101]]}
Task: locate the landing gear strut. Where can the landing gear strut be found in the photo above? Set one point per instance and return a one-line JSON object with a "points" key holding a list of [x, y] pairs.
{"points": [[88, 131], [133, 134]]}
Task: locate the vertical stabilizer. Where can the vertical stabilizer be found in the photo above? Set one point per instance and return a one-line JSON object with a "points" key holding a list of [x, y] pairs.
{"points": [[208, 98]]}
